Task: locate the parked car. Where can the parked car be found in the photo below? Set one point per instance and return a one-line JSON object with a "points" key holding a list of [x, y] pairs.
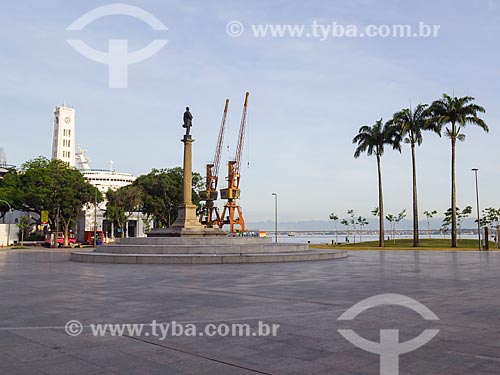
{"points": [[49, 239]]}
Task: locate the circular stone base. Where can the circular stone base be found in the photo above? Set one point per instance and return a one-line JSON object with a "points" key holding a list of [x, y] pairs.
{"points": [[202, 250], [96, 257]]}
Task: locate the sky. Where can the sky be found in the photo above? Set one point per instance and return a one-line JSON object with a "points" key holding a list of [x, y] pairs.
{"points": [[308, 97]]}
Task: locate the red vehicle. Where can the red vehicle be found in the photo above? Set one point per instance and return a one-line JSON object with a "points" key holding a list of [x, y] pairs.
{"points": [[89, 237], [50, 236]]}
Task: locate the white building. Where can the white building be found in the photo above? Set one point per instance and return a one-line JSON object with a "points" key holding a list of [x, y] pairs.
{"points": [[63, 137], [92, 217]]}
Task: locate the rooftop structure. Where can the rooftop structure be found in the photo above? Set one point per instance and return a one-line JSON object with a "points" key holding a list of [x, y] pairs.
{"points": [[103, 179], [63, 137]]}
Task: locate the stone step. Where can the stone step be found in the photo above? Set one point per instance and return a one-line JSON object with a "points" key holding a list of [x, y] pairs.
{"points": [[309, 255], [189, 240], [244, 248]]}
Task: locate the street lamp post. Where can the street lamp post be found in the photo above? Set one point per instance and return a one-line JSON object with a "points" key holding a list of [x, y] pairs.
{"points": [[10, 219], [95, 219], [275, 217], [475, 170]]}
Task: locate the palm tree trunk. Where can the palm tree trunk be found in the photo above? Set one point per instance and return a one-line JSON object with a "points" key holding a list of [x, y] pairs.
{"points": [[453, 196], [380, 205], [416, 242]]}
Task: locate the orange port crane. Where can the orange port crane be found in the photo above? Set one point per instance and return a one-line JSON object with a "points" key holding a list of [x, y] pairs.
{"points": [[232, 192], [210, 214]]}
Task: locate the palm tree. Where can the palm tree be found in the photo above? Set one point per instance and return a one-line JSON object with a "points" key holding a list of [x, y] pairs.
{"points": [[429, 215], [372, 140], [335, 218], [411, 124], [362, 221], [457, 112]]}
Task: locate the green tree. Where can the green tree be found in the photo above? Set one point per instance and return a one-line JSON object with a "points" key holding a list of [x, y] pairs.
{"points": [[361, 222], [23, 225], [400, 217], [53, 186], [394, 220], [462, 215], [411, 124], [162, 193], [71, 193], [491, 218], [429, 215], [445, 225], [352, 221], [335, 218], [121, 204], [457, 113], [9, 191], [372, 140], [347, 224]]}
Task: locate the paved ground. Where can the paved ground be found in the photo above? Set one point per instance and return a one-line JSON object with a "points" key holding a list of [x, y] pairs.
{"points": [[41, 291]]}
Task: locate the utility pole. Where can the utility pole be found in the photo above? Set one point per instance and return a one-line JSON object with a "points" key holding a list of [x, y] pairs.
{"points": [[95, 219], [275, 217], [475, 170]]}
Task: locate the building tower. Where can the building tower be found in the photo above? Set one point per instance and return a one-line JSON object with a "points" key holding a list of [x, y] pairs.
{"points": [[63, 139]]}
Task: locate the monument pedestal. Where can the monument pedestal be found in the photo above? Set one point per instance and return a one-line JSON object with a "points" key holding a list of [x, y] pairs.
{"points": [[187, 223]]}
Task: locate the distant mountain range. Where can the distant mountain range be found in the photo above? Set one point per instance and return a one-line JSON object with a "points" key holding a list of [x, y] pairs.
{"points": [[328, 225]]}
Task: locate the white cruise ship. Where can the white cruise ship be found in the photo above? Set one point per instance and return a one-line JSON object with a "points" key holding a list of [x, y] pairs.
{"points": [[101, 178]]}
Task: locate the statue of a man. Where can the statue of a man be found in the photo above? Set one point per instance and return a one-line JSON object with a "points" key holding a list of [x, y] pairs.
{"points": [[188, 121]]}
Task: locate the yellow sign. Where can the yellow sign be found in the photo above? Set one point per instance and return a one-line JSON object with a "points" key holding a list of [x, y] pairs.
{"points": [[44, 219]]}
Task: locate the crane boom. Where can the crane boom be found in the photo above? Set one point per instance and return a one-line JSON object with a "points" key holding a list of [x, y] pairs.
{"points": [[232, 192], [241, 138], [210, 215], [220, 141]]}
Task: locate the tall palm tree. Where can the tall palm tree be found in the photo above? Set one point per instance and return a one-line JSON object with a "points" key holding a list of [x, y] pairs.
{"points": [[411, 124], [456, 112], [372, 140]]}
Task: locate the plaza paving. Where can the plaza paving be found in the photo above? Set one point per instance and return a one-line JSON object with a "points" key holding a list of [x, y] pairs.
{"points": [[40, 291]]}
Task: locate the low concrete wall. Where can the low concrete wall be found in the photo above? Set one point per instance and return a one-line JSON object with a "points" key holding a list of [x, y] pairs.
{"points": [[4, 234], [216, 240]]}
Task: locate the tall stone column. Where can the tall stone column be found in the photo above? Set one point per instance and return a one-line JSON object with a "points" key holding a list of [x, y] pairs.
{"points": [[187, 193], [186, 213]]}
